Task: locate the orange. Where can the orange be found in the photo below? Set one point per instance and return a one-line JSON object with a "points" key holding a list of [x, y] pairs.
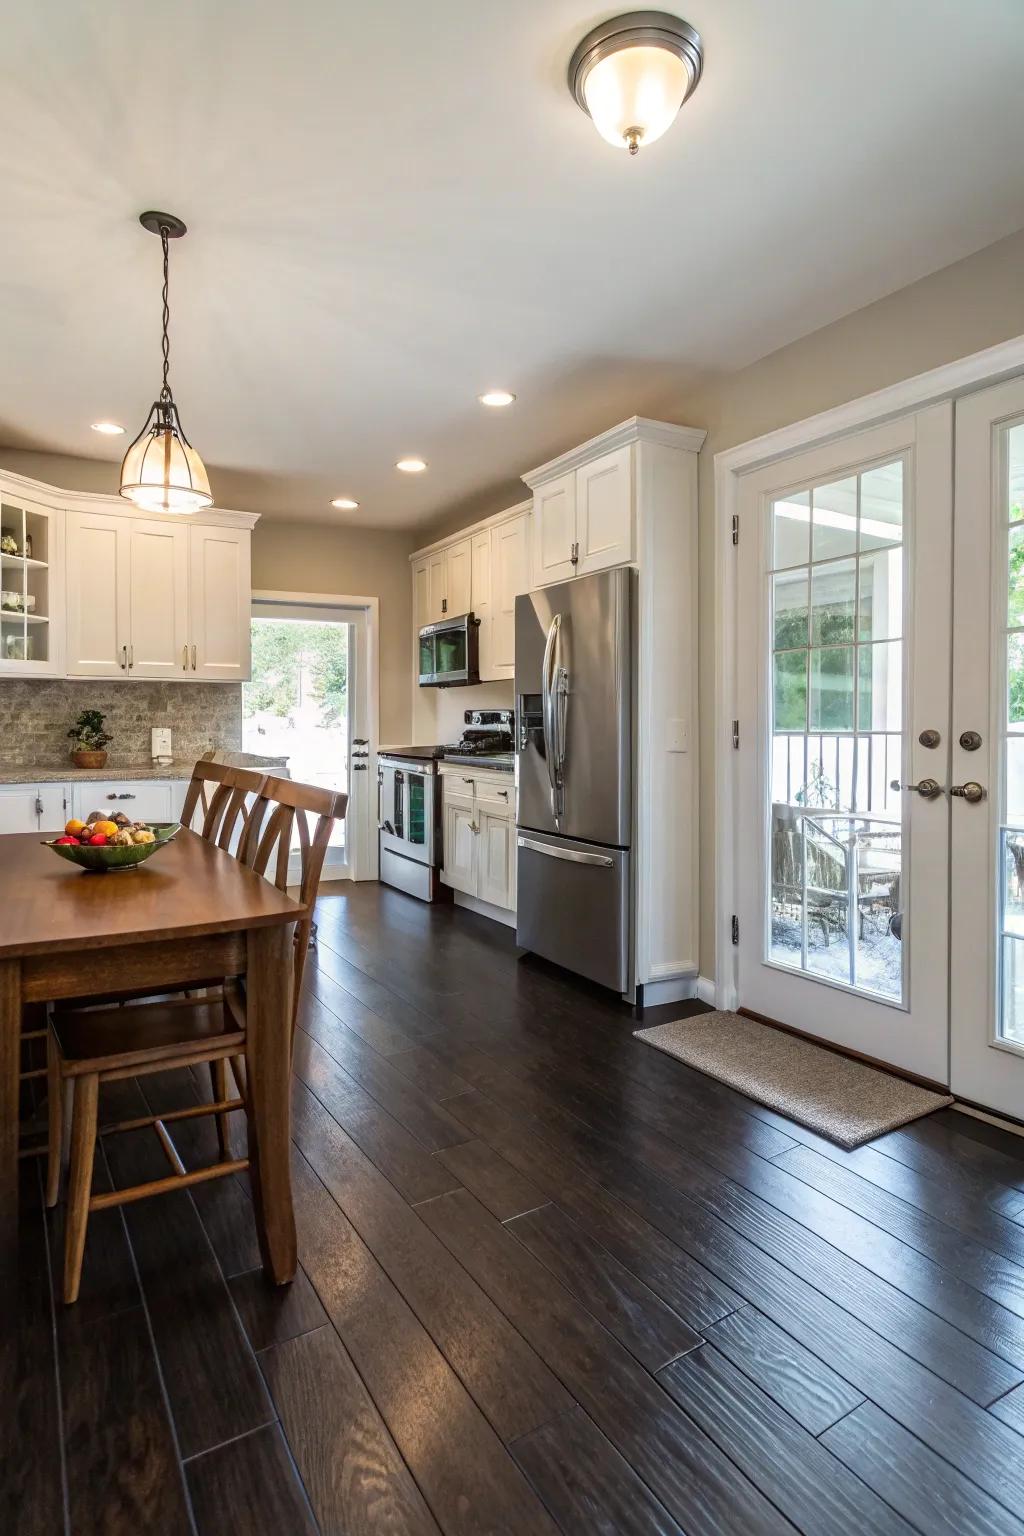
{"points": [[74, 828], [108, 828]]}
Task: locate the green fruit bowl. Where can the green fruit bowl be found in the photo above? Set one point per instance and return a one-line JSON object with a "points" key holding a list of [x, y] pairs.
{"points": [[101, 860]]}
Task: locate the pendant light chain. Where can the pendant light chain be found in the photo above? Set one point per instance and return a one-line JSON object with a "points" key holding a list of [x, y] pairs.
{"points": [[165, 392]]}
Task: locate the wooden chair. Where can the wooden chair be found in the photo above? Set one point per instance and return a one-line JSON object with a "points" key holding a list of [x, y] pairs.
{"points": [[225, 796], [88, 1047]]}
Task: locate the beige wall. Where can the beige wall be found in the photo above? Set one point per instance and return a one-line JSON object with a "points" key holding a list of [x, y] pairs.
{"points": [[298, 557], [958, 310]]}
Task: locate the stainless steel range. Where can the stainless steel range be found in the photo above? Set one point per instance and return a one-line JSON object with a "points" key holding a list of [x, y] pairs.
{"points": [[409, 800]]}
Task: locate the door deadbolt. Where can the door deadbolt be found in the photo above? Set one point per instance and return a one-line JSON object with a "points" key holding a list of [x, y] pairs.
{"points": [[972, 792], [929, 738], [970, 741]]}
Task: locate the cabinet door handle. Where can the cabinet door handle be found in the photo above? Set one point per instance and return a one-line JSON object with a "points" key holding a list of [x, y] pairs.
{"points": [[465, 780], [444, 605], [193, 658], [184, 658], [124, 658], [126, 796], [131, 657], [503, 794]]}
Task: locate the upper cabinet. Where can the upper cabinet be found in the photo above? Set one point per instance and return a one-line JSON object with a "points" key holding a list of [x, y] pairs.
{"points": [[481, 572], [584, 518], [92, 590]]}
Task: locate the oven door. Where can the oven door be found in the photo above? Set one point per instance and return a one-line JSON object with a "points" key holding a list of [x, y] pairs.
{"points": [[406, 812]]}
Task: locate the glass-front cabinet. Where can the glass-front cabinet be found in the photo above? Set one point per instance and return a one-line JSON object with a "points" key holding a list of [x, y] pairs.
{"points": [[30, 550]]}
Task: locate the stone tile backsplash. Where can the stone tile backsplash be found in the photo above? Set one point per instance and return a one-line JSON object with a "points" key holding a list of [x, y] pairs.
{"points": [[37, 713]]}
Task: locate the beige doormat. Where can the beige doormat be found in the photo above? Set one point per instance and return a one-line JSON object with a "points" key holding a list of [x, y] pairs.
{"points": [[845, 1100]]}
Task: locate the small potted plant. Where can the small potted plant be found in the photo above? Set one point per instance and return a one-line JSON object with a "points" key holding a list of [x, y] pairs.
{"points": [[89, 740]]}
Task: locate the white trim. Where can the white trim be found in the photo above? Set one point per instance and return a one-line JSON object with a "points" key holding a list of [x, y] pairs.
{"points": [[502, 915], [678, 990], [951, 379], [981, 1114], [91, 501], [632, 430], [494, 521], [368, 849], [706, 991]]}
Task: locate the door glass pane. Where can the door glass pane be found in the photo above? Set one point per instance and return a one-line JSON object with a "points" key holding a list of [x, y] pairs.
{"points": [[1010, 960], [296, 706], [417, 809], [837, 897]]}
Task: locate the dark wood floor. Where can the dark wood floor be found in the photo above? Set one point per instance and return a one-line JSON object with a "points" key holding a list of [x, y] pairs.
{"points": [[551, 1281]]}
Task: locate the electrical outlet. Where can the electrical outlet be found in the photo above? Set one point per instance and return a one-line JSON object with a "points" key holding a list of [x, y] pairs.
{"points": [[161, 742]]}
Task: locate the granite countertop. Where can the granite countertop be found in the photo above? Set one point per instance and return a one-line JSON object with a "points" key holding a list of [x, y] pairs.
{"points": [[67, 773]]}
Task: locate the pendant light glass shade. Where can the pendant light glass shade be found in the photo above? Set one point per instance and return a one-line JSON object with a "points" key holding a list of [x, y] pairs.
{"points": [[161, 471], [632, 74]]}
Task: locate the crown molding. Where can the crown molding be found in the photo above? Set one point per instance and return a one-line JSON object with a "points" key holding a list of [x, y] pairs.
{"points": [[94, 501], [494, 521], [635, 429]]}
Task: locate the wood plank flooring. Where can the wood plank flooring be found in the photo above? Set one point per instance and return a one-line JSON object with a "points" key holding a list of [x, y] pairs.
{"points": [[552, 1281]]}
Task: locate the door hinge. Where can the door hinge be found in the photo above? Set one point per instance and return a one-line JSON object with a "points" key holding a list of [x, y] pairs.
{"points": [[735, 929], [736, 735], [735, 527]]}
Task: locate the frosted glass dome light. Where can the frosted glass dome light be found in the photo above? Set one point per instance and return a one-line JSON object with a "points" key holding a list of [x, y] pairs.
{"points": [[632, 75]]}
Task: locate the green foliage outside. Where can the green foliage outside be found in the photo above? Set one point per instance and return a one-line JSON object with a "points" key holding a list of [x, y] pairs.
{"points": [[831, 668], [288, 656]]}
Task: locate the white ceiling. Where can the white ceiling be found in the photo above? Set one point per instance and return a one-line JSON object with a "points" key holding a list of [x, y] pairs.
{"points": [[395, 205]]}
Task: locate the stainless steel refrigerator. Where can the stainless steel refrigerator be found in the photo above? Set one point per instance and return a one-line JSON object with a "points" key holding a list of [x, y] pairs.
{"points": [[574, 746]]}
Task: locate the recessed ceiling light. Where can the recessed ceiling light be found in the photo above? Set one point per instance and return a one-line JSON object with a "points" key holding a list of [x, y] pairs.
{"points": [[344, 503], [497, 397], [108, 428], [411, 466]]}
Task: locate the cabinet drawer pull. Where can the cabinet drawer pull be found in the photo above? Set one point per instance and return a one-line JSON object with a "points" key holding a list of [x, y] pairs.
{"points": [[465, 780], [503, 793], [126, 796]]}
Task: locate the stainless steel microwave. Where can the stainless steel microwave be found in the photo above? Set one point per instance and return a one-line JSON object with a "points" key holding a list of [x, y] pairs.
{"points": [[450, 652]]}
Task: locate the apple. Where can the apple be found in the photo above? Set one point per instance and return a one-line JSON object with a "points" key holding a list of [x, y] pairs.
{"points": [[100, 840], [63, 841]]}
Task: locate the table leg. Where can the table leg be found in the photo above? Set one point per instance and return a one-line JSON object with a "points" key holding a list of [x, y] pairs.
{"points": [[10, 1066], [268, 1068]]}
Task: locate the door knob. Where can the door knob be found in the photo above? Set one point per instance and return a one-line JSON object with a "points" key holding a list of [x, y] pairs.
{"points": [[972, 791], [928, 789]]}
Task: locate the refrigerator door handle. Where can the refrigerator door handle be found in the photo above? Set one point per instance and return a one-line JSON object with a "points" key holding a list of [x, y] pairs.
{"points": [[569, 855], [554, 691]]}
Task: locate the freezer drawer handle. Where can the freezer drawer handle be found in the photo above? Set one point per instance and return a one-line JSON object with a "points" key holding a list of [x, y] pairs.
{"points": [[570, 855]]}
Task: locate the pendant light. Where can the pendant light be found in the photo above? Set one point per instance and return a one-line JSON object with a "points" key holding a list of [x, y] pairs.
{"points": [[632, 74], [161, 471]]}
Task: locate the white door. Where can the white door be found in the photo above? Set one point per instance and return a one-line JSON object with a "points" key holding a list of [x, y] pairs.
{"points": [[510, 567], [604, 511], [220, 596], [554, 530], [158, 596], [460, 835], [843, 641], [494, 856], [987, 932], [98, 579], [459, 584]]}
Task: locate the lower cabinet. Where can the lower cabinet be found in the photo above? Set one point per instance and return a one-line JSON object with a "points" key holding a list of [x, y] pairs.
{"points": [[32, 808], [139, 799], [479, 837]]}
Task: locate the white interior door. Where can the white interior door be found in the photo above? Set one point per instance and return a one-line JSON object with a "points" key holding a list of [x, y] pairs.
{"points": [[843, 642], [987, 942]]}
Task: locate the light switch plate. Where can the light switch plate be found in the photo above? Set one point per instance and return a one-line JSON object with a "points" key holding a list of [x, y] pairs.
{"points": [[677, 737]]}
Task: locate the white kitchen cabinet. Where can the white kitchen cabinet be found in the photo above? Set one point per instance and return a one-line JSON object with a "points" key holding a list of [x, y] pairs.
{"points": [[479, 836], [510, 577], [604, 512], [554, 530], [437, 579], [481, 596], [220, 603], [420, 595], [31, 587], [99, 609], [459, 579], [139, 799], [460, 833], [158, 599], [32, 808]]}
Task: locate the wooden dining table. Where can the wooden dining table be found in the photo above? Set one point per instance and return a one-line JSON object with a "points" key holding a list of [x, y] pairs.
{"points": [[189, 914]]}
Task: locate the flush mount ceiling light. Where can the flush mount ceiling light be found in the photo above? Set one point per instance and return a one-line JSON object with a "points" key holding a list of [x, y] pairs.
{"points": [[496, 397], [411, 466], [161, 471], [631, 75], [344, 503], [108, 428]]}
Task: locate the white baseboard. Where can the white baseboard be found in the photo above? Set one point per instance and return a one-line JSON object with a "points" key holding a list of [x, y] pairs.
{"points": [[673, 989], [706, 990], [485, 909]]}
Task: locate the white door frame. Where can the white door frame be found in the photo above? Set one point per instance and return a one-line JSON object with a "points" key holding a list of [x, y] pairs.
{"points": [[946, 383], [364, 845]]}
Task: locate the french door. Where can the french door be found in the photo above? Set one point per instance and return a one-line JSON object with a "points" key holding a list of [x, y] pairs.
{"points": [[880, 827]]}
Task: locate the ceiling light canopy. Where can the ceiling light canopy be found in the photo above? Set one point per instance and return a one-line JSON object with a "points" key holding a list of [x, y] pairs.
{"points": [[344, 503], [161, 472], [631, 75], [411, 466], [108, 428], [496, 397]]}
